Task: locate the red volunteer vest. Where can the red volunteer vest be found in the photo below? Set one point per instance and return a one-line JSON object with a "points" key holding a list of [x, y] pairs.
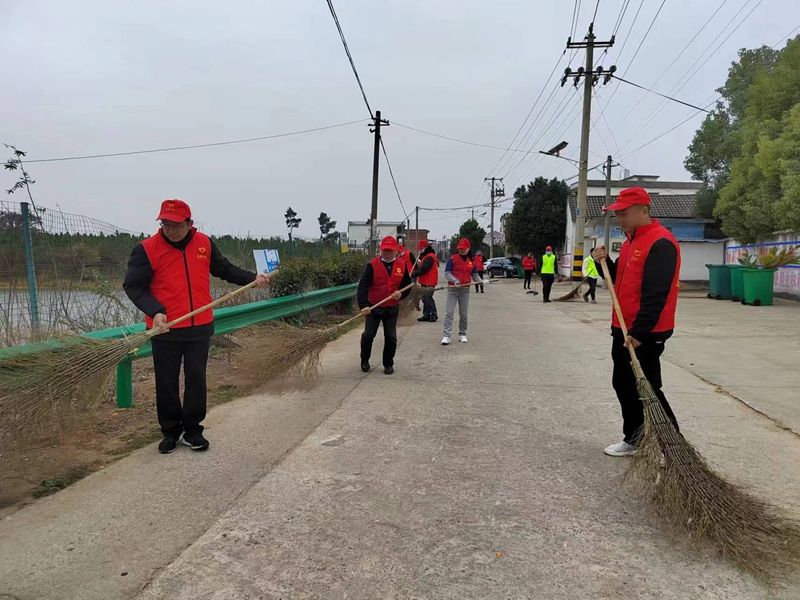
{"points": [[181, 279], [407, 259], [430, 278], [479, 262], [632, 257], [383, 285], [462, 269]]}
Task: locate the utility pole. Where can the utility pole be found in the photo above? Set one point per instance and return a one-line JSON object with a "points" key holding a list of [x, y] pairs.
{"points": [[375, 127], [607, 218], [591, 77], [417, 223], [496, 193]]}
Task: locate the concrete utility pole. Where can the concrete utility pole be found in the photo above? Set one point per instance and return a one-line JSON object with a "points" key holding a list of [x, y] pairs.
{"points": [[591, 77], [496, 193], [417, 223], [373, 219], [607, 218]]}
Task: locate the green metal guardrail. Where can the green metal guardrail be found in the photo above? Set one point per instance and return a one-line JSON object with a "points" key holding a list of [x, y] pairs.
{"points": [[226, 320]]}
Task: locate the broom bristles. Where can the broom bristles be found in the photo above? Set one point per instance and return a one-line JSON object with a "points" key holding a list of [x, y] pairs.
{"points": [[686, 492], [572, 294]]}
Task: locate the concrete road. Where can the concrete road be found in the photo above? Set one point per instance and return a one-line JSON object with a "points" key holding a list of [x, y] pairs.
{"points": [[476, 471]]}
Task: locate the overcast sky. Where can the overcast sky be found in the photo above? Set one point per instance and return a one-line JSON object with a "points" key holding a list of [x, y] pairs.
{"points": [[92, 77]]}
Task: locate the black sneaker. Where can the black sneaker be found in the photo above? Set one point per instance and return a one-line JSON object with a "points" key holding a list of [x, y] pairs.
{"points": [[388, 370], [168, 444], [424, 319], [365, 366], [195, 441], [434, 319]]}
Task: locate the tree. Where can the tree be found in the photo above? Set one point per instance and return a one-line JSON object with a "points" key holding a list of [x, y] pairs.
{"points": [[326, 228], [718, 140], [471, 230], [762, 191], [292, 222], [539, 216], [14, 163]]}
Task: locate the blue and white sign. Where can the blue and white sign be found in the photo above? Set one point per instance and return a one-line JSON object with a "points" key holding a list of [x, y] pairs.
{"points": [[267, 261]]}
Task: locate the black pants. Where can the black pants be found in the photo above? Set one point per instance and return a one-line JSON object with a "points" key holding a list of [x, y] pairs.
{"points": [[479, 286], [429, 306], [592, 288], [168, 355], [387, 316], [547, 284], [527, 284], [624, 383]]}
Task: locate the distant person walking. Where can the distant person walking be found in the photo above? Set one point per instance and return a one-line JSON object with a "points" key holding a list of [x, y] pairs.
{"points": [[548, 273], [591, 275], [460, 269], [529, 266], [169, 276], [481, 270], [427, 276]]}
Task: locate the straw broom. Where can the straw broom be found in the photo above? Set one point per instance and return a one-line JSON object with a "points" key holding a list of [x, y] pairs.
{"points": [[687, 493], [572, 294], [44, 392]]}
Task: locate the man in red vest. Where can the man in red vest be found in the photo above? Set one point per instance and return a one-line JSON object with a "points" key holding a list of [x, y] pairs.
{"points": [[427, 276], [169, 276], [646, 281], [481, 270], [407, 257], [460, 269], [383, 277]]}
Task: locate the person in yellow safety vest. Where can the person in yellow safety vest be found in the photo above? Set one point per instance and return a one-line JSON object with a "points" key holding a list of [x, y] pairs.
{"points": [[548, 273], [590, 273]]}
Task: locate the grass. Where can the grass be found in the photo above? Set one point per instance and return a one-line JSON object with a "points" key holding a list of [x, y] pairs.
{"points": [[51, 486]]}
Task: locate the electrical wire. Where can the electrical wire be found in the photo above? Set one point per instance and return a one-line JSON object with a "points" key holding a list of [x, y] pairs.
{"points": [[394, 181], [349, 56], [659, 94], [596, 6], [646, 33], [622, 11], [192, 147], [444, 137]]}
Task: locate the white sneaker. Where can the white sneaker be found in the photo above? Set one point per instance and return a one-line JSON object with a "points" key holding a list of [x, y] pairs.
{"points": [[621, 449], [445, 341], [462, 339]]}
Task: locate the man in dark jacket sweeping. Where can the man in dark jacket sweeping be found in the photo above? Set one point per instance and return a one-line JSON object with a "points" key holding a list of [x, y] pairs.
{"points": [[383, 277], [168, 277], [646, 281], [427, 276]]}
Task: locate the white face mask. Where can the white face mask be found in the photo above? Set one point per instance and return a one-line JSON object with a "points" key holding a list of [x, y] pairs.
{"points": [[549, 253]]}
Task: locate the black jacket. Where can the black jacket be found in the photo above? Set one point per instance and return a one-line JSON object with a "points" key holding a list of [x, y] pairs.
{"points": [[426, 262], [140, 275], [362, 295]]}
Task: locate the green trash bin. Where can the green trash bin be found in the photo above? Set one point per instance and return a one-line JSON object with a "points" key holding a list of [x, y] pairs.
{"points": [[719, 278], [737, 282], [758, 286]]}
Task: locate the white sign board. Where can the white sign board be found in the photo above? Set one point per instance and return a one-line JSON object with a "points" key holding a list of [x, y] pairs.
{"points": [[267, 261]]}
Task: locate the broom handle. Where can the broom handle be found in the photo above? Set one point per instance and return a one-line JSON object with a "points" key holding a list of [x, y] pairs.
{"points": [[371, 308], [617, 308]]}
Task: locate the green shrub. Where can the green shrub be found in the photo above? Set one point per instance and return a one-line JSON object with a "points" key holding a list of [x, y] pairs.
{"points": [[300, 275]]}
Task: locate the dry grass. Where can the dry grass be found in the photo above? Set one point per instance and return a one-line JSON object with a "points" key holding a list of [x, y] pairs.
{"points": [[690, 497]]}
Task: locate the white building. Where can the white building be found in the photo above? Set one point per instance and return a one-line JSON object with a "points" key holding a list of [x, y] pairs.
{"points": [[673, 204], [358, 232]]}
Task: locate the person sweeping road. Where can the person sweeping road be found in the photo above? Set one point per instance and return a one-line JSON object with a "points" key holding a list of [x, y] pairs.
{"points": [[590, 275], [383, 276], [460, 270], [481, 271], [646, 279], [427, 276], [168, 276], [548, 273], [528, 266]]}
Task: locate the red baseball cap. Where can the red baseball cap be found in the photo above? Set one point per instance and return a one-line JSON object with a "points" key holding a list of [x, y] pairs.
{"points": [[401, 248], [422, 245], [548, 248], [463, 243], [174, 210], [388, 243], [630, 197]]}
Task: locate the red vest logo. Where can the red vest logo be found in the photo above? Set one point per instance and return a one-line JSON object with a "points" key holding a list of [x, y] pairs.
{"points": [[399, 271], [202, 251]]}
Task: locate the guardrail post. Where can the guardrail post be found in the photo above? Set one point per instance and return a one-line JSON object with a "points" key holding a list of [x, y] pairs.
{"points": [[125, 384], [26, 234], [350, 306]]}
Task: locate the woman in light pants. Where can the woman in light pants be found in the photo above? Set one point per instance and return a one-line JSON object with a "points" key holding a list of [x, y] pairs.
{"points": [[461, 269]]}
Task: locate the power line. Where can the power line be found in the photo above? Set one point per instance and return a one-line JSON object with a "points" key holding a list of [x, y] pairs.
{"points": [[394, 182], [622, 11], [662, 95], [349, 56], [646, 33], [174, 148], [452, 139], [594, 17]]}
